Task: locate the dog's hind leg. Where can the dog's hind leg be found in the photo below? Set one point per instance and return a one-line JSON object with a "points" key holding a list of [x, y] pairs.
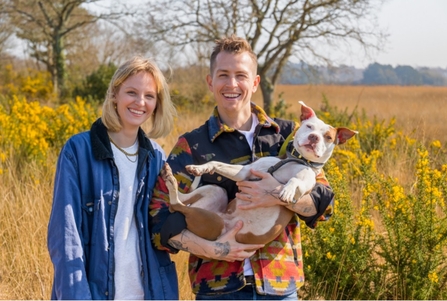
{"points": [[200, 221], [171, 184]]}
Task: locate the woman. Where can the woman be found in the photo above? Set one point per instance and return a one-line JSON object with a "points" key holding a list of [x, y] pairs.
{"points": [[98, 238]]}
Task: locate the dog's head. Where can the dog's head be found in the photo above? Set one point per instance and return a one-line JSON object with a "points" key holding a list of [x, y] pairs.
{"points": [[315, 140]]}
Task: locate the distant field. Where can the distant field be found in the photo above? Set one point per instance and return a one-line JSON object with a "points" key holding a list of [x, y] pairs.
{"points": [[416, 108], [422, 110]]}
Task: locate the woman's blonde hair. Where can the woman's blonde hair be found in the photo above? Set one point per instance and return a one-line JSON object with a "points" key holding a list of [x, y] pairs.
{"points": [[162, 121]]}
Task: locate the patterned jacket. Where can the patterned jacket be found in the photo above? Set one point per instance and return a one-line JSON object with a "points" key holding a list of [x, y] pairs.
{"points": [[278, 266]]}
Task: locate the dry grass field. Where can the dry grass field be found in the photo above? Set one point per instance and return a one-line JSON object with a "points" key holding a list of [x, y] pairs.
{"points": [[25, 201], [423, 109]]}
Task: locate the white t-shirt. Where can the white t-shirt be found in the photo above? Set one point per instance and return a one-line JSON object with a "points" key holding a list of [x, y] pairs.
{"points": [[248, 271], [128, 284]]}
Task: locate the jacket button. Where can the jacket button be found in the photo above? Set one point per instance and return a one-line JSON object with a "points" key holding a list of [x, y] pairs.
{"points": [[107, 293], [219, 178], [241, 137]]}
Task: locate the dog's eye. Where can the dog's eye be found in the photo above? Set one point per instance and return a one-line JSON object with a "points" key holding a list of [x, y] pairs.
{"points": [[309, 126], [329, 138]]}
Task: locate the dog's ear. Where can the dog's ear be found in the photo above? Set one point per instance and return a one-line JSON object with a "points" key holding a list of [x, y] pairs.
{"points": [[306, 112], [344, 134]]}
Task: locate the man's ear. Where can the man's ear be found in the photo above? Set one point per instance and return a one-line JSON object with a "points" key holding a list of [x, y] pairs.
{"points": [[256, 83], [209, 81]]}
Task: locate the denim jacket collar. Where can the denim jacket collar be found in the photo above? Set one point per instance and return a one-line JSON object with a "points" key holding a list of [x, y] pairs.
{"points": [[101, 144]]}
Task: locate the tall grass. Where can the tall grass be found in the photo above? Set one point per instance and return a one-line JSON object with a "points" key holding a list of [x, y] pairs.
{"points": [[387, 239], [25, 270]]}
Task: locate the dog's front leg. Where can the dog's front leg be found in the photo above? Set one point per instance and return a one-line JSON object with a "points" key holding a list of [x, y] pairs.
{"points": [[298, 186], [233, 172]]}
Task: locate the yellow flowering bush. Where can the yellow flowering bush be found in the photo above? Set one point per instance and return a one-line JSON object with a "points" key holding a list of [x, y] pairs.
{"points": [[388, 236], [29, 130], [33, 86]]}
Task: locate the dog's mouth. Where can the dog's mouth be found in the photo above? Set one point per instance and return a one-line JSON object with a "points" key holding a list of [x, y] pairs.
{"points": [[311, 148]]}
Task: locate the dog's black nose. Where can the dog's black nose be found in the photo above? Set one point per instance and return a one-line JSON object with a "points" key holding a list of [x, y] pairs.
{"points": [[313, 138]]}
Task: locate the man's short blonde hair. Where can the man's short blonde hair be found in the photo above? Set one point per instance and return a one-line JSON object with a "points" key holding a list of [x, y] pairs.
{"points": [[232, 44], [162, 121]]}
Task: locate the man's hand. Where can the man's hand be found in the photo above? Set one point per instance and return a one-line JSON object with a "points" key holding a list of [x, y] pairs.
{"points": [[265, 193], [224, 248], [262, 193]]}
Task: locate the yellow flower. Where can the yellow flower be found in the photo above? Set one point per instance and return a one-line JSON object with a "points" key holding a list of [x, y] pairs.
{"points": [[433, 277], [436, 144]]}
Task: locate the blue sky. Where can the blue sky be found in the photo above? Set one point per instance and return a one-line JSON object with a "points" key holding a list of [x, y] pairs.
{"points": [[418, 34]]}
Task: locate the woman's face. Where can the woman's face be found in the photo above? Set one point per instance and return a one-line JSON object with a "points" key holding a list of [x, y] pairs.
{"points": [[136, 100]]}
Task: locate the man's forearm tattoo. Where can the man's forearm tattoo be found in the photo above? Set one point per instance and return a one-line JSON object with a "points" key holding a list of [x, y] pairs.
{"points": [[273, 193], [222, 249], [306, 209], [177, 245]]}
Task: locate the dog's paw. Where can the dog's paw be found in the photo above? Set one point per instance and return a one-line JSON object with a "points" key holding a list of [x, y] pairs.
{"points": [[168, 177], [197, 170], [287, 194]]}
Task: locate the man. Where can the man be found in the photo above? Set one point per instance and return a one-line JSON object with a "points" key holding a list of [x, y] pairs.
{"points": [[237, 132]]}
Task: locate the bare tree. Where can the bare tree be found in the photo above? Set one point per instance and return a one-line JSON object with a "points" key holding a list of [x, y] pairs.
{"points": [[278, 30], [6, 29], [46, 24]]}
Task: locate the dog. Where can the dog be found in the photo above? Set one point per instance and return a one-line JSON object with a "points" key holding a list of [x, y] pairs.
{"points": [[207, 211]]}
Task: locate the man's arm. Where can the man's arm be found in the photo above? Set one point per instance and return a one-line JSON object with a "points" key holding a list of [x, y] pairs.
{"points": [[265, 193], [224, 248]]}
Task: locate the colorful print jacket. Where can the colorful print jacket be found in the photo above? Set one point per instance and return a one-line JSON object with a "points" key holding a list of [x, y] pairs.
{"points": [[278, 266]]}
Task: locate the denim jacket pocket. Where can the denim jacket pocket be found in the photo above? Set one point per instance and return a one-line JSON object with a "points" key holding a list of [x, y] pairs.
{"points": [[169, 281], [90, 209]]}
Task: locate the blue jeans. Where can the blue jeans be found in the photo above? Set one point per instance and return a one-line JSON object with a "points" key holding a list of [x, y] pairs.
{"points": [[246, 293]]}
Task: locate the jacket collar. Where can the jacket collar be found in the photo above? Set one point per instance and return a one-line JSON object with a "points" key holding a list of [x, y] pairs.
{"points": [[101, 144], [217, 127]]}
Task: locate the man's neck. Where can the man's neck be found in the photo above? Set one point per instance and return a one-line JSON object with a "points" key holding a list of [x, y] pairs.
{"points": [[239, 120]]}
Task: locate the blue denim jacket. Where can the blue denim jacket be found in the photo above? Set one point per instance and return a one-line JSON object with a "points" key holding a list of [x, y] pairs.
{"points": [[81, 226]]}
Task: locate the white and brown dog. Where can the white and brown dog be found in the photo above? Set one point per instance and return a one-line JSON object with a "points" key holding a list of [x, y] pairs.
{"points": [[207, 211]]}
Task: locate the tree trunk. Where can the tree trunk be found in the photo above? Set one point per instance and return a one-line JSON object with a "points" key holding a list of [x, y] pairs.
{"points": [[267, 94], [54, 81], [59, 63]]}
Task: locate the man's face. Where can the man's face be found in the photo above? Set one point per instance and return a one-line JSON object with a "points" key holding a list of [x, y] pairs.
{"points": [[233, 81]]}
